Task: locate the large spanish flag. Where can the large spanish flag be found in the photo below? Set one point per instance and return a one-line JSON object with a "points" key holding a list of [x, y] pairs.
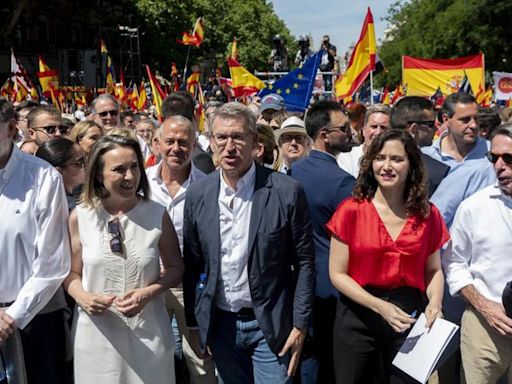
{"points": [[48, 78], [244, 83], [423, 76], [361, 62]]}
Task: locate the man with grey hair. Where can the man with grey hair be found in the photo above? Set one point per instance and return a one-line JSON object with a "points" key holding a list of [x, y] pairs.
{"points": [[105, 112], [249, 257], [169, 181], [477, 266], [376, 121], [34, 260]]}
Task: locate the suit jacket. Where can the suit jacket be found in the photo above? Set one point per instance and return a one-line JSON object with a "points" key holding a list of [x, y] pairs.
{"points": [[436, 172], [281, 255], [326, 186], [202, 160]]}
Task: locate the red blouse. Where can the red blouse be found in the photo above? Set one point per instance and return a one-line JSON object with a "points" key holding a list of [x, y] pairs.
{"points": [[374, 258]]}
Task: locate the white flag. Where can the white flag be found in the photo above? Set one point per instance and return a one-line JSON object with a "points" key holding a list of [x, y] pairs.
{"points": [[502, 85]]}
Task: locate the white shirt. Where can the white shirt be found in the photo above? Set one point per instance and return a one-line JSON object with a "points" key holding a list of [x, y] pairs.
{"points": [[144, 147], [175, 206], [479, 252], [233, 291], [34, 239], [350, 161]]}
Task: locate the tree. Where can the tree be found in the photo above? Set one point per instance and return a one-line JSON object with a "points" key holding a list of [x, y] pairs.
{"points": [[443, 29]]}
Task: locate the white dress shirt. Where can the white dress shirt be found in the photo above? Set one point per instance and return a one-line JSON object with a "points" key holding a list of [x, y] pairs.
{"points": [[481, 244], [350, 161], [174, 205], [34, 239], [233, 291]]}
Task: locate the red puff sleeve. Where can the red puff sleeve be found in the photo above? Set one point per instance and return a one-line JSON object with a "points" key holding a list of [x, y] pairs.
{"points": [[342, 221]]}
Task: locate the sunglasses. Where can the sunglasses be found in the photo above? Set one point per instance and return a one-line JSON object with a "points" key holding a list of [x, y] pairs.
{"points": [[114, 228], [493, 158], [429, 123], [288, 138], [112, 113], [50, 129]]}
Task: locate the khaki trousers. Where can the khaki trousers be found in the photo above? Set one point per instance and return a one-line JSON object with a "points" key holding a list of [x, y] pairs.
{"points": [[486, 355]]}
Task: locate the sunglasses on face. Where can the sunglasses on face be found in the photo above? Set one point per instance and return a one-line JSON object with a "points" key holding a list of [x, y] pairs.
{"points": [[339, 128], [287, 138], [429, 123], [50, 129], [493, 157], [112, 113], [114, 228]]}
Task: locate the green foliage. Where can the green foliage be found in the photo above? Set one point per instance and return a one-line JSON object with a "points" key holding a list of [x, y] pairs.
{"points": [[253, 23], [443, 29]]}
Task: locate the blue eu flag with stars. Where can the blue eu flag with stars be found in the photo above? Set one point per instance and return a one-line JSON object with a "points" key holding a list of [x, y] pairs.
{"points": [[296, 87]]}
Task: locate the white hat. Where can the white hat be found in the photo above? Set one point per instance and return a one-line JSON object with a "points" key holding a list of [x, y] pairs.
{"points": [[292, 124]]}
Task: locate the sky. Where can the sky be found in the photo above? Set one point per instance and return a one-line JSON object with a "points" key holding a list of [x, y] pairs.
{"points": [[342, 20]]}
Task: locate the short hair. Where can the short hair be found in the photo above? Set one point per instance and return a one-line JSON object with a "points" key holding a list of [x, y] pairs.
{"points": [[7, 111], [124, 132], [26, 104], [236, 111], [148, 121], [94, 190], [181, 120], [57, 151], [415, 191], [42, 110], [355, 111], [319, 116], [126, 114], [488, 119], [281, 116], [268, 140], [105, 97], [376, 108], [409, 108], [80, 129], [504, 129], [178, 103], [448, 107], [139, 116]]}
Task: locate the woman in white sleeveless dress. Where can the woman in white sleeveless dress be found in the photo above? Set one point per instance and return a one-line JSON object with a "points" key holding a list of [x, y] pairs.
{"points": [[120, 239]]}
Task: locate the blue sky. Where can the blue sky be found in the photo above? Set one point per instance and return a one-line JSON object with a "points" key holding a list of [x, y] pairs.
{"points": [[340, 19]]}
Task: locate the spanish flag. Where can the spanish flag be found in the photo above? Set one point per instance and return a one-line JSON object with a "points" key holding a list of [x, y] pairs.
{"points": [[192, 82], [244, 83], [103, 47], [362, 61], [424, 76], [234, 50], [157, 93], [143, 97], [399, 92], [384, 98], [48, 78], [196, 37]]}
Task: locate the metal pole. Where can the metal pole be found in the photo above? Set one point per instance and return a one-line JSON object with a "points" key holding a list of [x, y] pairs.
{"points": [[186, 64], [138, 54], [371, 87]]}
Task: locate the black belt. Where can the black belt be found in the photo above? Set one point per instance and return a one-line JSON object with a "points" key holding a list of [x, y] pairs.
{"points": [[5, 305], [242, 314]]}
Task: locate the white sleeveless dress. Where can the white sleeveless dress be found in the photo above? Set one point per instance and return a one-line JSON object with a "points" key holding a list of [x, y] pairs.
{"points": [[113, 348]]}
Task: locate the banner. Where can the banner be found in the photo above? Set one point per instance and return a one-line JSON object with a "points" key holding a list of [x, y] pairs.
{"points": [[422, 77], [502, 85]]}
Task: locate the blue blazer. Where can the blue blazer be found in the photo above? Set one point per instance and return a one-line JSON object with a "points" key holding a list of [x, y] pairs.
{"points": [[281, 255]]}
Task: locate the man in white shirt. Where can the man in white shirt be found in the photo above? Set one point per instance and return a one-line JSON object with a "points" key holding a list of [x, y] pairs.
{"points": [[34, 259], [169, 181], [376, 121], [477, 265]]}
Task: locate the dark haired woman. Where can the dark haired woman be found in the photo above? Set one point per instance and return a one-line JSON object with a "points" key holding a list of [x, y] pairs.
{"points": [[69, 159], [385, 260], [119, 237]]}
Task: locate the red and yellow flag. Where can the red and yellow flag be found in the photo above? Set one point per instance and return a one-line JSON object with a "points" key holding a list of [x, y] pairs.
{"points": [[244, 83], [48, 78], [361, 62], [143, 97], [157, 93], [196, 37], [484, 98], [192, 82], [103, 47], [234, 50], [385, 99], [424, 76], [399, 92]]}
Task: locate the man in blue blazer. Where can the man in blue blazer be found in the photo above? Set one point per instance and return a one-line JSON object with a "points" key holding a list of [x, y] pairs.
{"points": [[326, 186], [249, 259]]}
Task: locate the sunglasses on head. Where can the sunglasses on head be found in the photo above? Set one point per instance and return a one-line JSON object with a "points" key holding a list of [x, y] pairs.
{"points": [[112, 113], [50, 129], [114, 228], [493, 157]]}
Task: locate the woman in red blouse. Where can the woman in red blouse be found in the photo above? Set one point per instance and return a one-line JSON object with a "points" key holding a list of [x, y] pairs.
{"points": [[385, 260]]}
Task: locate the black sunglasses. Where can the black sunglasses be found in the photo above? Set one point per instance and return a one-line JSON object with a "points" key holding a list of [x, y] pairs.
{"points": [[112, 113], [493, 158], [429, 123], [50, 129], [114, 228]]}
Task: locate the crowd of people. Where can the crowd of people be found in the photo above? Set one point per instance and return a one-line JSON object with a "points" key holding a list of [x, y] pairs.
{"points": [[270, 247]]}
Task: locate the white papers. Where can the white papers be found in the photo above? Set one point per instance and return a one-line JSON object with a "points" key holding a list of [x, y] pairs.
{"points": [[423, 348]]}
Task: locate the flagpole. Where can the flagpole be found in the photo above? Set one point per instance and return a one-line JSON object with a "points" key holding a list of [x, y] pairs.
{"points": [[371, 87], [186, 64]]}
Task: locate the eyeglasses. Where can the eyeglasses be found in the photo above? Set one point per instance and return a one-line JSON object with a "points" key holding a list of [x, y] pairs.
{"points": [[80, 163], [288, 138], [429, 123], [112, 113], [114, 228], [339, 128], [238, 139], [50, 129], [493, 157]]}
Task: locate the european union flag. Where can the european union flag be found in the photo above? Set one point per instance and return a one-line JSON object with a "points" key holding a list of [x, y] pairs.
{"points": [[296, 87]]}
